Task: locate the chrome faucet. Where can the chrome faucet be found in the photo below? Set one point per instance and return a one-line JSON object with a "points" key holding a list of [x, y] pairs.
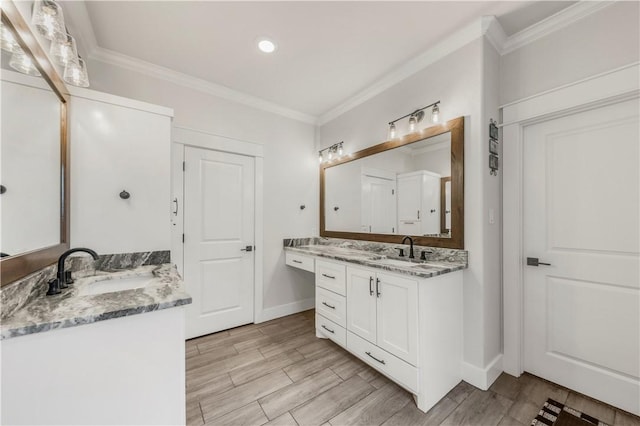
{"points": [[63, 278], [411, 256]]}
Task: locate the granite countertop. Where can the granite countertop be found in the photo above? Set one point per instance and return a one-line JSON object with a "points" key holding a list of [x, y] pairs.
{"points": [[416, 268], [162, 288]]}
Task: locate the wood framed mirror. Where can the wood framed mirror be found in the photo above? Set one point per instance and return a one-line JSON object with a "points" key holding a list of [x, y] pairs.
{"points": [[397, 188], [21, 258]]}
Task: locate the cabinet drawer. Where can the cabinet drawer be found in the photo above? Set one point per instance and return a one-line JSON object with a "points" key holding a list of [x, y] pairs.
{"points": [[396, 369], [331, 330], [331, 276], [331, 306], [300, 261]]}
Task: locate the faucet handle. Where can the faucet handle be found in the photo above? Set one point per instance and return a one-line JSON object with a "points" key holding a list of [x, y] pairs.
{"points": [[68, 279], [54, 287], [401, 250]]}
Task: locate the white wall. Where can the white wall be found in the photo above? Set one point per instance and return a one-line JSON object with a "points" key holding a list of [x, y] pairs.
{"points": [[455, 80], [290, 167], [600, 42]]}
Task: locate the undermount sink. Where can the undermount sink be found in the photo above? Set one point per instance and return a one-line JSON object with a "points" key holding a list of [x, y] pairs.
{"points": [[110, 284], [396, 262]]}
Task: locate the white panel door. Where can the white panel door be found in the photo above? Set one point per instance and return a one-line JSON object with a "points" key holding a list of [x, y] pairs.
{"points": [[361, 303], [409, 197], [219, 235], [581, 210], [431, 204], [377, 195], [397, 316]]}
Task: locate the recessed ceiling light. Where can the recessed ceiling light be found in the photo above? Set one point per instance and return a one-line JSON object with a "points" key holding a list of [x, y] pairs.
{"points": [[266, 45]]}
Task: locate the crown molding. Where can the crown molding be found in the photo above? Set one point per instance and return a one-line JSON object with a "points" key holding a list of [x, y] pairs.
{"points": [[185, 80], [494, 32], [553, 23], [420, 62]]}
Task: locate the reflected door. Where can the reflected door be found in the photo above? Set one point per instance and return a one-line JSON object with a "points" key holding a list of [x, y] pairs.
{"points": [[378, 199], [219, 235], [581, 209]]}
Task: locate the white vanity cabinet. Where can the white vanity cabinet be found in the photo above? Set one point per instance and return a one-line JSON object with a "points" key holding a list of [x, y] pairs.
{"points": [[408, 328], [383, 309]]}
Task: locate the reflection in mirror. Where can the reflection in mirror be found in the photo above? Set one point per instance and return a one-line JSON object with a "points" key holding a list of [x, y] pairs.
{"points": [[412, 185], [34, 178], [30, 163], [392, 192]]}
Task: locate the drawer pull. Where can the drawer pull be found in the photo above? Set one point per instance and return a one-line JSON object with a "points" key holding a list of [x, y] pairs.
{"points": [[378, 287], [329, 276], [381, 361], [328, 305], [296, 261], [370, 286], [332, 332]]}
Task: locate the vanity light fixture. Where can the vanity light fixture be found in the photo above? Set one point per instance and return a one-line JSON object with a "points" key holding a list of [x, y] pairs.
{"points": [[22, 62], [414, 118], [48, 19], [327, 154], [7, 40]]}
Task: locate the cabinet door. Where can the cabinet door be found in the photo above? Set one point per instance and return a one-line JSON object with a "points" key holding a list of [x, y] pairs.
{"points": [[409, 198], [361, 303], [397, 322], [431, 205]]}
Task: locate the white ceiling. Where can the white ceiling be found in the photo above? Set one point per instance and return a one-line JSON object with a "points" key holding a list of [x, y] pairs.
{"points": [[327, 51]]}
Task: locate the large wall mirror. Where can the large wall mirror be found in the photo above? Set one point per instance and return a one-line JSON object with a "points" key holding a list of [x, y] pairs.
{"points": [[410, 186], [34, 177]]}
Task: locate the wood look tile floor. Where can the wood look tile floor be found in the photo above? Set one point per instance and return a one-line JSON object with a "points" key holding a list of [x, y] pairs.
{"points": [[279, 373]]}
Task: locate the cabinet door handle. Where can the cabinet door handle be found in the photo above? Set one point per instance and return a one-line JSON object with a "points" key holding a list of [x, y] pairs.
{"points": [[370, 286], [330, 331], [378, 287], [329, 276], [328, 305], [418, 214], [381, 361], [296, 261]]}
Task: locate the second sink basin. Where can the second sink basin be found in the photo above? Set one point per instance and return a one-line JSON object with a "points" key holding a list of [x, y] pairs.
{"points": [[113, 284]]}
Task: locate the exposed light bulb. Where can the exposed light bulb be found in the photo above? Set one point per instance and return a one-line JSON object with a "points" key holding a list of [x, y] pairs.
{"points": [[412, 123], [392, 130], [320, 157], [435, 113], [330, 154], [340, 150]]}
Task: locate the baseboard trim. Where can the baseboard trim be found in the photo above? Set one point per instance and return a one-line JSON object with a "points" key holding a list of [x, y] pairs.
{"points": [[482, 378], [286, 309]]}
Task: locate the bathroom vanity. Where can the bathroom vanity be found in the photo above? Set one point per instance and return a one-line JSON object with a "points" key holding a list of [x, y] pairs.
{"points": [[403, 318], [107, 350]]}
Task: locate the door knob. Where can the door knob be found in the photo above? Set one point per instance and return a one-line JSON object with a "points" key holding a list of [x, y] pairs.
{"points": [[247, 248], [533, 261]]}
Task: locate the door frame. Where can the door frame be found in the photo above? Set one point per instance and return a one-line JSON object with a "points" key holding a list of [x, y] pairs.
{"points": [[611, 87], [199, 139]]}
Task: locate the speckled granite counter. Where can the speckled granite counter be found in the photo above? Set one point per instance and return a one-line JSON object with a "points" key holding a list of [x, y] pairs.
{"points": [[74, 306], [381, 255]]}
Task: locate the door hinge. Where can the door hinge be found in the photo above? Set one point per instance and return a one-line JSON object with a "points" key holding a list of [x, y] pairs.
{"points": [[182, 238], [184, 166]]}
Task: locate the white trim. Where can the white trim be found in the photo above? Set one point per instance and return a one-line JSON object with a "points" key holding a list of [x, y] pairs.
{"points": [[616, 82], [613, 86], [494, 32], [286, 309], [206, 140], [196, 138], [450, 44], [107, 98], [204, 86], [482, 378], [553, 23]]}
